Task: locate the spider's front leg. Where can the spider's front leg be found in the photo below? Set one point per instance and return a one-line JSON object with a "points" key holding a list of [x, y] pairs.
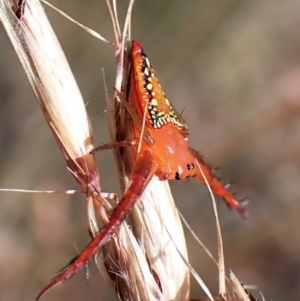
{"points": [[205, 170], [143, 172]]}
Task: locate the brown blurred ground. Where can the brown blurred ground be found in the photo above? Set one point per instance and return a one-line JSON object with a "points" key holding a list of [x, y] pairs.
{"points": [[234, 67]]}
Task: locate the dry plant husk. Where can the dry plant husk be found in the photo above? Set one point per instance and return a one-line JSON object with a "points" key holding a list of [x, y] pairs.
{"points": [[56, 90]]}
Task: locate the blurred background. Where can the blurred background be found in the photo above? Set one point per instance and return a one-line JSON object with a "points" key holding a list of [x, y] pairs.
{"points": [[233, 67]]}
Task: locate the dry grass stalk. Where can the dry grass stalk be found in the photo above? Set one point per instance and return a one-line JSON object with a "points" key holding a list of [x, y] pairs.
{"points": [[239, 293], [156, 216]]}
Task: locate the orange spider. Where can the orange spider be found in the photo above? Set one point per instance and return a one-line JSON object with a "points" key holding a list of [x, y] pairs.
{"points": [[164, 152]]}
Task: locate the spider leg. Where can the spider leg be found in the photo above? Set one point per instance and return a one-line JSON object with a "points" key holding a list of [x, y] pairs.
{"points": [[115, 144], [142, 173], [138, 121], [216, 185]]}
